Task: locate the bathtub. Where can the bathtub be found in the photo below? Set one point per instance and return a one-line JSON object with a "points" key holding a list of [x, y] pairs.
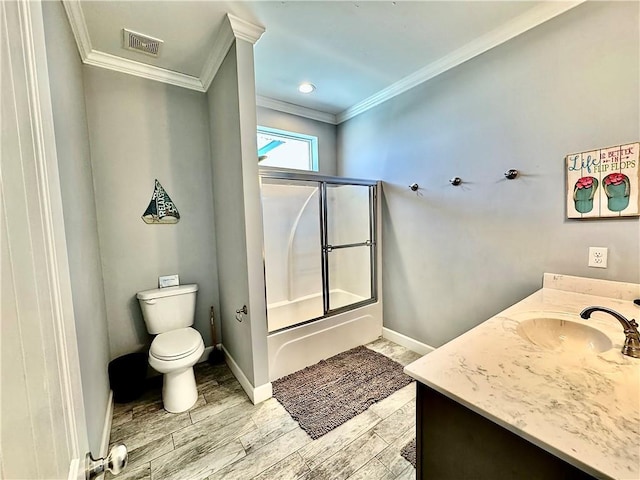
{"points": [[303, 213], [298, 347], [286, 314]]}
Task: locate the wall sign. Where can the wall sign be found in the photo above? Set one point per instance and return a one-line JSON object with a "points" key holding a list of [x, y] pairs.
{"points": [[161, 208], [604, 182]]}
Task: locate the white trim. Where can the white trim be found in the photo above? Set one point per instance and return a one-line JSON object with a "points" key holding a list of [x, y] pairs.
{"points": [[232, 28], [305, 112], [408, 342], [221, 45], [74, 470], [262, 393], [49, 253], [207, 351], [205, 355], [78, 27], [46, 160], [522, 23], [106, 428], [237, 28], [244, 30], [151, 72], [256, 394]]}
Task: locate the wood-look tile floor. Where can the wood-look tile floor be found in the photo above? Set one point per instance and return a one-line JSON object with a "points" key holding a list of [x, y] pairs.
{"points": [[225, 437]]}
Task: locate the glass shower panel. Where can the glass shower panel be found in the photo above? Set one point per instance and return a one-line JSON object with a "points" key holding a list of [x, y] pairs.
{"points": [[349, 244], [349, 276], [292, 245], [348, 214]]}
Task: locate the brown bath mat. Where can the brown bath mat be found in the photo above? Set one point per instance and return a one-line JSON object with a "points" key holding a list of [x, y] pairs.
{"points": [[409, 452], [325, 395]]}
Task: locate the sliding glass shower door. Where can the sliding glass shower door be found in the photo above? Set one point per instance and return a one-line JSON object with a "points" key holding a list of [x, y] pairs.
{"points": [[319, 246], [349, 246], [292, 242]]}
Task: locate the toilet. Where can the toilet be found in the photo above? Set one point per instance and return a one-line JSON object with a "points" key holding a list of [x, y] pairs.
{"points": [[169, 313]]}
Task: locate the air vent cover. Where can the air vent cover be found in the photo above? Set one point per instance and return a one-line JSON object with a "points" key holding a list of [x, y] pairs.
{"points": [[141, 43]]}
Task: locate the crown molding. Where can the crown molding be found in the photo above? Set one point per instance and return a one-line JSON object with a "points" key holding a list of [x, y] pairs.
{"points": [[522, 23], [233, 28], [244, 30], [78, 27], [138, 69], [221, 45], [123, 65], [305, 112]]}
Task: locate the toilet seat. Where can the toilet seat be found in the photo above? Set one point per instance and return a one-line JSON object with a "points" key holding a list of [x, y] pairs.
{"points": [[175, 344]]}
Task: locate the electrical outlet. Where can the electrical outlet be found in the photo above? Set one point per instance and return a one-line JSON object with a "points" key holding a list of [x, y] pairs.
{"points": [[168, 281], [598, 257]]}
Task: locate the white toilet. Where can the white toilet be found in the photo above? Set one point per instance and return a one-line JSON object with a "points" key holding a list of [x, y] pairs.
{"points": [[169, 313]]}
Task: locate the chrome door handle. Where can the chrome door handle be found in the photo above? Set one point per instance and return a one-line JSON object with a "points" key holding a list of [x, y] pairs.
{"points": [[114, 463]]}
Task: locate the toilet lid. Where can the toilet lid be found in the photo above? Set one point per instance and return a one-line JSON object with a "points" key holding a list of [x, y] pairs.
{"points": [[175, 344]]}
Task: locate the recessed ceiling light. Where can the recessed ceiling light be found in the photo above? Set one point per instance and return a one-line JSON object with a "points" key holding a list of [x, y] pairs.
{"points": [[306, 87]]}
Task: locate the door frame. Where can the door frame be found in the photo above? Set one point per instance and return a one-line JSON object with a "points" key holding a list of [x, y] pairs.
{"points": [[32, 220]]}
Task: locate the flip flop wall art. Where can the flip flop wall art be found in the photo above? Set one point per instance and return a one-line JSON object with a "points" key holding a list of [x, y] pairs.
{"points": [[604, 182], [161, 208]]}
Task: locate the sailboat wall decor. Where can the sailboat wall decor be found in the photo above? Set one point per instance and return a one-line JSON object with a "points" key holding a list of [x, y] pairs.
{"points": [[161, 208]]}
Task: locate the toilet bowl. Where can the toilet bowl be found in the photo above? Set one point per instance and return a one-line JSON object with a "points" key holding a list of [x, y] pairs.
{"points": [[169, 313], [174, 354]]}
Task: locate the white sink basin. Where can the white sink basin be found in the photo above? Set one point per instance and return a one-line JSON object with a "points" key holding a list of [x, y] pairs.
{"points": [[563, 335]]}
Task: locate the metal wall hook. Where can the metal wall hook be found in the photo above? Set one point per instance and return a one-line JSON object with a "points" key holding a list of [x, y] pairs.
{"points": [[511, 174], [414, 187], [455, 181], [240, 312]]}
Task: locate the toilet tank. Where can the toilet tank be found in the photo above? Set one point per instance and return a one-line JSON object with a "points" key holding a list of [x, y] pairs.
{"points": [[169, 308]]}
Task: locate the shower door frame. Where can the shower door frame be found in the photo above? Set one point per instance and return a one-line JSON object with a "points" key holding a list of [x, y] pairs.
{"points": [[325, 249]]}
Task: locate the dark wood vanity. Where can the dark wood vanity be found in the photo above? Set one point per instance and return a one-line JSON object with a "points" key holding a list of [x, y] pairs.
{"points": [[456, 443]]}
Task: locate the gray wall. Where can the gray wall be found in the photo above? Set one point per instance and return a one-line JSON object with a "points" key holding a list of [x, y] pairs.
{"points": [[74, 163], [141, 130], [238, 215], [454, 256], [325, 132]]}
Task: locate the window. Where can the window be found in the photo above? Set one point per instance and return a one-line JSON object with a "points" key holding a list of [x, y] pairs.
{"points": [[279, 148]]}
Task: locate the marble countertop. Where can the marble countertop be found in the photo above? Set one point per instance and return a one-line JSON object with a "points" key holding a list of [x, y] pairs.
{"points": [[583, 408]]}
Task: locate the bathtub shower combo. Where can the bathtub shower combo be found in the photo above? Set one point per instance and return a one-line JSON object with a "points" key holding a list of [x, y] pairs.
{"points": [[322, 266]]}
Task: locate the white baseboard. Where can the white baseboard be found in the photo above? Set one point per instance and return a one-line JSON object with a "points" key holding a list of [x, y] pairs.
{"points": [[262, 393], [408, 342], [205, 355], [106, 428], [207, 351], [256, 394]]}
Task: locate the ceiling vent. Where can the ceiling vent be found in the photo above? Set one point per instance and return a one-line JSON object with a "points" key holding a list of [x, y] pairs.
{"points": [[141, 43]]}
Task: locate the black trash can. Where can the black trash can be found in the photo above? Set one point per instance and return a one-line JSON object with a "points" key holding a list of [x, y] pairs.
{"points": [[126, 376]]}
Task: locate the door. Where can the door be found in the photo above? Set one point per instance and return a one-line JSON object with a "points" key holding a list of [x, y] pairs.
{"points": [[42, 413], [293, 265], [349, 245]]}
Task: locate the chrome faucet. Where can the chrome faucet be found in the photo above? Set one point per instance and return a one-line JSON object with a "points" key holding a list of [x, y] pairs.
{"points": [[631, 345]]}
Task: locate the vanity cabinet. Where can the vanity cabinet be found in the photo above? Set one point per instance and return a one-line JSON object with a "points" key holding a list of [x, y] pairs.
{"points": [[455, 443], [535, 392]]}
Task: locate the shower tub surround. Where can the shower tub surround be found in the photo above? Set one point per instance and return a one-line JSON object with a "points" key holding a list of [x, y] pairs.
{"points": [[323, 264], [581, 407], [284, 314]]}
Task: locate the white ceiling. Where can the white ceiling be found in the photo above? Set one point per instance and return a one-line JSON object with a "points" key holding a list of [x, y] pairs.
{"points": [[350, 50]]}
